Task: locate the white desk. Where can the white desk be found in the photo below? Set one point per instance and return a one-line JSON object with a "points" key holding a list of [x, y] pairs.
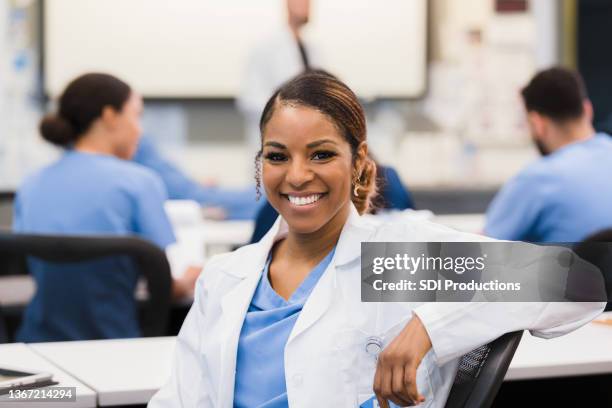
{"points": [[222, 236], [586, 351], [19, 355], [473, 223], [120, 371], [131, 371]]}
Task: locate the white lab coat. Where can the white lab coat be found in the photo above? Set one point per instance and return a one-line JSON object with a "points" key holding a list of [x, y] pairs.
{"points": [[273, 62], [326, 364]]}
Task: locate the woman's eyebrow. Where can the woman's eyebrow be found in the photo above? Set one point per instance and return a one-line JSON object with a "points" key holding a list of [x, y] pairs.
{"points": [[319, 142], [276, 144]]}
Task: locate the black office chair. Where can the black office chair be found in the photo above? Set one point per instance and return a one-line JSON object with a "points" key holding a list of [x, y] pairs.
{"points": [[597, 249], [6, 208], [3, 330], [481, 373], [149, 259]]}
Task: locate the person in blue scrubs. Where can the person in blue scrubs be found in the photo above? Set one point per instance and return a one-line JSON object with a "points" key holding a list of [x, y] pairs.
{"points": [[566, 195], [393, 196], [237, 204], [92, 189]]}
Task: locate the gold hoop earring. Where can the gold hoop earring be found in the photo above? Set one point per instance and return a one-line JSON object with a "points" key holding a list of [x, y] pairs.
{"points": [[355, 190]]}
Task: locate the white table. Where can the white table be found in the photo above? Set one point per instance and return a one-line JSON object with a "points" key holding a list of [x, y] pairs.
{"points": [[473, 223], [20, 356], [131, 371], [127, 371], [222, 236], [586, 351]]}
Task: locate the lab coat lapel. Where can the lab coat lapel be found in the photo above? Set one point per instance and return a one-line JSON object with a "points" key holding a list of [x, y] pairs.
{"points": [[234, 306], [348, 249]]}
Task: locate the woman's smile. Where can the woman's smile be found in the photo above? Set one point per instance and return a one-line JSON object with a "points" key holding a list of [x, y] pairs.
{"points": [[304, 201]]}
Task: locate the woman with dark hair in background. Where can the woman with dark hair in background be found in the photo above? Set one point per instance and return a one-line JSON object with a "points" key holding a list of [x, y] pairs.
{"points": [[92, 189], [281, 322]]}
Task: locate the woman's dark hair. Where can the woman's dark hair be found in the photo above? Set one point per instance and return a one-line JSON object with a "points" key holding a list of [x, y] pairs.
{"points": [[558, 93], [81, 104], [323, 92]]}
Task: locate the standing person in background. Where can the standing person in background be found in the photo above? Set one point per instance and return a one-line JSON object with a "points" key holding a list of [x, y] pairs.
{"points": [[93, 189], [235, 204], [273, 62], [566, 195]]}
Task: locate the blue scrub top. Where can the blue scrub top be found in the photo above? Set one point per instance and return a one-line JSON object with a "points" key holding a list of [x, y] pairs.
{"points": [[238, 203], [563, 197], [85, 193], [260, 365]]}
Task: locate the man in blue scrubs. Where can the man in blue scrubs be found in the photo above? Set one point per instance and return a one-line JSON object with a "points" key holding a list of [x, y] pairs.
{"points": [[237, 204], [567, 194]]}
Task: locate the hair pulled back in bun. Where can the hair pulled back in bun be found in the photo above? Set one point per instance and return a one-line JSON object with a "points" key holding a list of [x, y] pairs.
{"points": [[57, 130], [82, 102]]}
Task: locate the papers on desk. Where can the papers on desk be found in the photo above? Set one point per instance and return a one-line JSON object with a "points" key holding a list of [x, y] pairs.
{"points": [[12, 378], [26, 359], [189, 249], [183, 213]]}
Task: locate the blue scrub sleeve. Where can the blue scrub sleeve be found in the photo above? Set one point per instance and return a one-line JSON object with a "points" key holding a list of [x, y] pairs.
{"points": [[178, 185], [151, 221], [394, 193], [515, 210], [240, 204], [17, 227]]}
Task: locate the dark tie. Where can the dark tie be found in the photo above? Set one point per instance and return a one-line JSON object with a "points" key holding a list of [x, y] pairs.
{"points": [[303, 54]]}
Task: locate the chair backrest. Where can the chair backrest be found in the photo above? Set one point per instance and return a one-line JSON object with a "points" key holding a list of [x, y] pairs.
{"points": [[6, 208], [149, 259], [3, 330], [600, 236], [481, 373], [597, 249]]}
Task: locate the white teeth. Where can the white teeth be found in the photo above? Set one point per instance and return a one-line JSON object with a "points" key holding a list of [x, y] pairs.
{"points": [[304, 200]]}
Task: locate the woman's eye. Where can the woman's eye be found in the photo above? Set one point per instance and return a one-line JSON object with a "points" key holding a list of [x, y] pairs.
{"points": [[275, 157], [323, 155]]}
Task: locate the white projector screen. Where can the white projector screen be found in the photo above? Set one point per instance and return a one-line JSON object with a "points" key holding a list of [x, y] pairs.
{"points": [[198, 48]]}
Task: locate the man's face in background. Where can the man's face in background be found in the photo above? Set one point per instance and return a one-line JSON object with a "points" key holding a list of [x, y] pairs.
{"points": [[299, 12]]}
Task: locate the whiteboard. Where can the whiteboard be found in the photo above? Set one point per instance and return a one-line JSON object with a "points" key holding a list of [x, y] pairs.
{"points": [[199, 48]]}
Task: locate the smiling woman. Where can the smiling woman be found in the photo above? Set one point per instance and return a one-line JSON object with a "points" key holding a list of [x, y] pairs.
{"points": [[322, 109], [281, 323]]}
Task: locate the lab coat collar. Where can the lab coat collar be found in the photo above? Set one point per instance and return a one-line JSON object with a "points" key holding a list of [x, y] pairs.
{"points": [[234, 306], [357, 229]]}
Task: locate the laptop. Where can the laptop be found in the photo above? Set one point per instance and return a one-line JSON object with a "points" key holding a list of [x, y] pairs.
{"points": [[13, 378]]}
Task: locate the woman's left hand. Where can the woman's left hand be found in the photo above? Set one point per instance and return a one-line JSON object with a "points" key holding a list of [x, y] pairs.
{"points": [[395, 378]]}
